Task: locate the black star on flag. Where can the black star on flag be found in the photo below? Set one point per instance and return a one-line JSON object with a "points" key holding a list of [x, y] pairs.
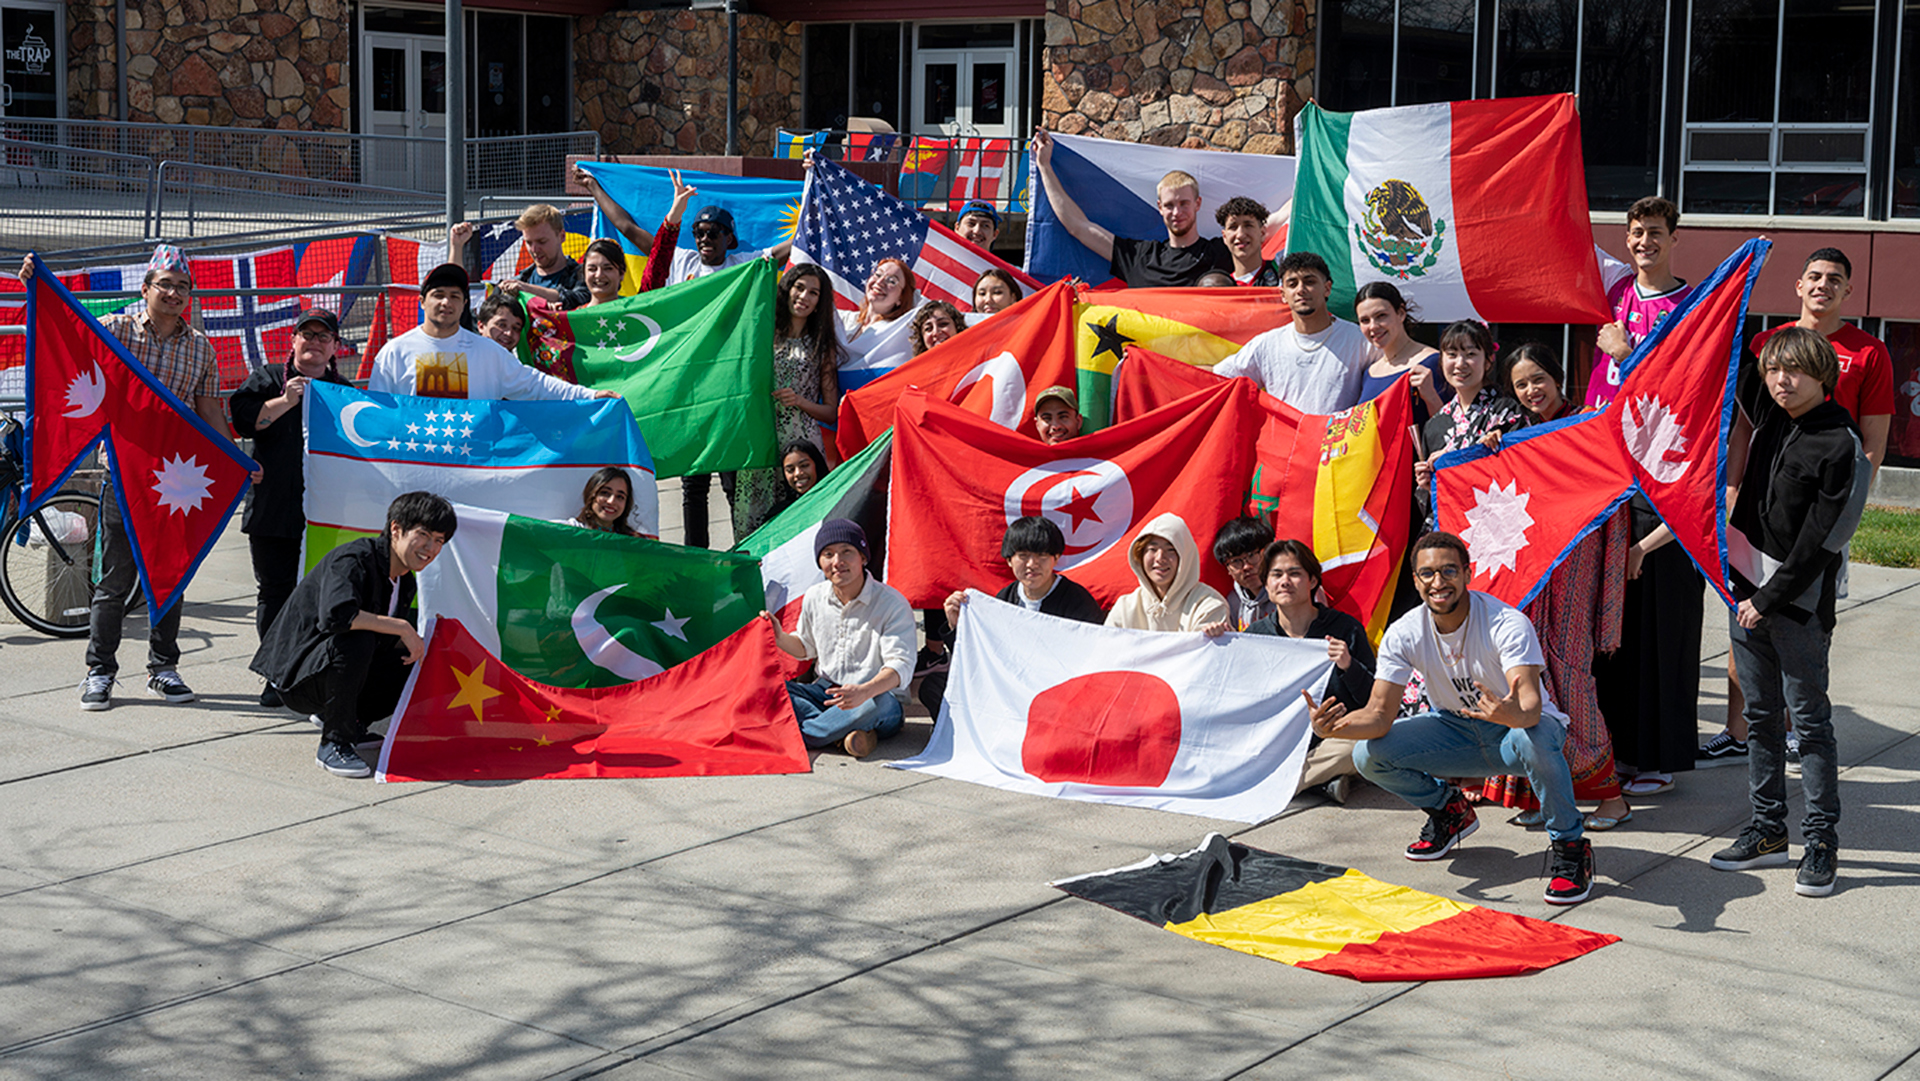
{"points": [[1111, 340]]}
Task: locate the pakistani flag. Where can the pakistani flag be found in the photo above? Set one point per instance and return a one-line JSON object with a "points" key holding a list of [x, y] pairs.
{"points": [[694, 361], [574, 607], [1474, 209]]}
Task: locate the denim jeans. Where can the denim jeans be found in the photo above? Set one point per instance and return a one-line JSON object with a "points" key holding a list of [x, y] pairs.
{"points": [[1409, 760], [1783, 667], [822, 725]]}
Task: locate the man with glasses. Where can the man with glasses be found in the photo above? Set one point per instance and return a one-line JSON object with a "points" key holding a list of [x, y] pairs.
{"points": [[1481, 662], [1239, 546]]}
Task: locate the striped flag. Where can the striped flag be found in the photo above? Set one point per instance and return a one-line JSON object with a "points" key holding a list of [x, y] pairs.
{"points": [[982, 170], [856, 490], [1199, 326]]}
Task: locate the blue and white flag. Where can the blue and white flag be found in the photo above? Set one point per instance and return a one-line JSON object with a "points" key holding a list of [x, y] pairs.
{"points": [[1115, 185], [764, 211], [527, 458]]}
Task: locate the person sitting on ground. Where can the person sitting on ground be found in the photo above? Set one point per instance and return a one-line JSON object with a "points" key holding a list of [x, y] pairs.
{"points": [[606, 502], [1317, 362], [861, 634], [1032, 548], [1243, 227], [501, 318], [266, 409], [1056, 415], [994, 292], [1465, 645], [340, 649], [801, 467], [1177, 261], [1292, 577], [978, 224], [1171, 596], [935, 322], [1241, 547]]}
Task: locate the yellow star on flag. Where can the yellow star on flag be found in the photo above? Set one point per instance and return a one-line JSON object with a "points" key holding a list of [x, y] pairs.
{"points": [[543, 742], [474, 691], [553, 713]]}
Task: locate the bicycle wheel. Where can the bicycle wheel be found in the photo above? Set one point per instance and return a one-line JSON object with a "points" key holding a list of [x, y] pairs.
{"points": [[46, 564]]}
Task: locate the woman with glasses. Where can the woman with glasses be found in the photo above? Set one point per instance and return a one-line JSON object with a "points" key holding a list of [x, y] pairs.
{"points": [[879, 336]]}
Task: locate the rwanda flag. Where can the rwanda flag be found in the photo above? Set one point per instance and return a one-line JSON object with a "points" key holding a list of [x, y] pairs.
{"points": [[1326, 918]]}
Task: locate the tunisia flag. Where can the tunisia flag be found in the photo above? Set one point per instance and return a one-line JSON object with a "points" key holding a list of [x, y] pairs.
{"points": [[959, 480], [1521, 510], [994, 369], [1175, 722], [176, 478]]}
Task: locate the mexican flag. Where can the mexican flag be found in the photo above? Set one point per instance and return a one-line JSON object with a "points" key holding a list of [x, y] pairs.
{"points": [[1474, 209], [574, 607], [694, 361], [857, 489]]}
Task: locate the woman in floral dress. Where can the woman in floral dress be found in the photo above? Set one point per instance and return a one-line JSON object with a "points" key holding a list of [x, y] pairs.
{"points": [[806, 361]]}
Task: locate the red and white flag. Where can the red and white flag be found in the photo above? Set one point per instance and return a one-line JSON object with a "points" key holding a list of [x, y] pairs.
{"points": [[248, 332], [983, 165], [1175, 722]]}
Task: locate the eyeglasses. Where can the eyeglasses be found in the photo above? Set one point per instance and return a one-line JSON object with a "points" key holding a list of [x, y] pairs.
{"points": [[314, 336], [1238, 563], [708, 232], [891, 279], [1447, 573], [165, 286]]}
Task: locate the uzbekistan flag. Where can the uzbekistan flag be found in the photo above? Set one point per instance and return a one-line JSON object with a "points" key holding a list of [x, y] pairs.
{"points": [[466, 716], [527, 458], [1474, 209], [1326, 918], [575, 607], [1173, 722], [857, 490], [1199, 326]]}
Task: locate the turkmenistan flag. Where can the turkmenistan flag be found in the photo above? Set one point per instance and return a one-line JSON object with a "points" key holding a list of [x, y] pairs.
{"points": [[694, 361], [1474, 209], [574, 607], [1326, 918], [784, 546], [1198, 326]]}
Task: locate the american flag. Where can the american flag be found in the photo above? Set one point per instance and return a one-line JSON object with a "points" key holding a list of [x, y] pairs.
{"points": [[847, 226]]}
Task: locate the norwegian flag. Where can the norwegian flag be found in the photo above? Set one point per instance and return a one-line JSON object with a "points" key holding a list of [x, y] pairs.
{"points": [[983, 164], [176, 478], [1520, 510], [847, 226], [248, 332]]}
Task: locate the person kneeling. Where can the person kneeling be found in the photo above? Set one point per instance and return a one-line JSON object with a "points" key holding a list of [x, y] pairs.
{"points": [[340, 648], [1461, 641], [861, 633]]}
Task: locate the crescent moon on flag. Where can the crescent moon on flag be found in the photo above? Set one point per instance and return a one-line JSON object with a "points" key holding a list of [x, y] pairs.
{"points": [[1009, 388], [1090, 499], [346, 424], [639, 352], [602, 648]]}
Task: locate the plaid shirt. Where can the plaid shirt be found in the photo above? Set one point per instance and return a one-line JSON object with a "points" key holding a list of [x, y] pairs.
{"points": [[184, 363]]}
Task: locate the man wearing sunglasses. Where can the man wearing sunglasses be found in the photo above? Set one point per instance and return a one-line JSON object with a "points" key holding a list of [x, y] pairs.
{"points": [[1481, 663]]}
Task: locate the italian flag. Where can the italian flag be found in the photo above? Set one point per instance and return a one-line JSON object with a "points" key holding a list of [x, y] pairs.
{"points": [[784, 546], [1474, 209]]}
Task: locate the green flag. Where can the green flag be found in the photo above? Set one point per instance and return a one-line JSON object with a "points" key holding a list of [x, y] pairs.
{"points": [[694, 361]]}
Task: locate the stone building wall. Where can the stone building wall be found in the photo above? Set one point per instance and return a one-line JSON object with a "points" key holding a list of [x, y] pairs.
{"points": [[1226, 74], [655, 82]]}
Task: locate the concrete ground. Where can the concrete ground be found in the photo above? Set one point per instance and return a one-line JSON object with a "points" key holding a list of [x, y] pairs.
{"points": [[184, 894]]}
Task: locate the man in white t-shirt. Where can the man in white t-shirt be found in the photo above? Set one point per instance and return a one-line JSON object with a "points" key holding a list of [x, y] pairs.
{"points": [[1315, 363], [1464, 644], [442, 359]]}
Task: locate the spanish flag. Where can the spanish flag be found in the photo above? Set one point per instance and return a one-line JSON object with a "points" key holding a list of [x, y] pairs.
{"points": [[1326, 918], [1198, 326]]}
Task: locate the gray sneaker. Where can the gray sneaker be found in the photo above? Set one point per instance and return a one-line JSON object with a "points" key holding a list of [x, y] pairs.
{"points": [[96, 692], [342, 761], [168, 686]]}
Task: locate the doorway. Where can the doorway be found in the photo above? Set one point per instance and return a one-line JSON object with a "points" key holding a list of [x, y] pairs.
{"points": [[403, 91], [964, 78]]}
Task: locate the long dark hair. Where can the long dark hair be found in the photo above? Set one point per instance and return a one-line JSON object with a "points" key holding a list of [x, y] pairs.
{"points": [[819, 331], [1540, 354], [601, 478]]}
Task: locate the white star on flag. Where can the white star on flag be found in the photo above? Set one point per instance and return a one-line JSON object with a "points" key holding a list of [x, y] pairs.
{"points": [[1497, 526], [672, 626], [183, 485]]}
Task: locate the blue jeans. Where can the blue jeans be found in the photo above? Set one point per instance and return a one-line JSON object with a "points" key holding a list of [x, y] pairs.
{"points": [[822, 725], [1783, 667], [1408, 761]]}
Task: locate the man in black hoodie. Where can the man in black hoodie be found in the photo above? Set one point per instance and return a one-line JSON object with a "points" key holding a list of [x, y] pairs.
{"points": [[1803, 484]]}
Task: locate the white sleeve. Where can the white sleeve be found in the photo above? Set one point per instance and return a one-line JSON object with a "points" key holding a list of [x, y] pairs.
{"points": [[803, 629], [1245, 363], [1514, 637], [388, 366], [520, 382], [897, 639], [1395, 662]]}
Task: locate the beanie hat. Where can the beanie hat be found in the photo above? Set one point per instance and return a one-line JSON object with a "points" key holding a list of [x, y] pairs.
{"points": [[839, 531]]}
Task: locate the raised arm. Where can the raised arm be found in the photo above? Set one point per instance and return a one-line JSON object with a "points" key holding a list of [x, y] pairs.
{"points": [[1064, 208], [615, 214]]}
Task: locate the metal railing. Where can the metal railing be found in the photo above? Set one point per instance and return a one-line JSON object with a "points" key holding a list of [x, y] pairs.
{"points": [[937, 172]]}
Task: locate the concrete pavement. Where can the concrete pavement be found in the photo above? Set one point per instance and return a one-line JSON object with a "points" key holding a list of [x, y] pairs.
{"points": [[183, 893]]}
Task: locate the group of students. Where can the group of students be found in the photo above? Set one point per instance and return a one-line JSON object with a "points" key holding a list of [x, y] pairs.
{"points": [[1548, 704]]}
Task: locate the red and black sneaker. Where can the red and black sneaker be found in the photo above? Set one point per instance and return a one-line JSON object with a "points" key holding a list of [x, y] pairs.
{"points": [[1444, 828], [1571, 879]]}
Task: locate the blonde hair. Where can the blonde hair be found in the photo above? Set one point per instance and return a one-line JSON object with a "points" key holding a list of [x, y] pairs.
{"points": [[541, 214], [1178, 179], [1800, 349]]}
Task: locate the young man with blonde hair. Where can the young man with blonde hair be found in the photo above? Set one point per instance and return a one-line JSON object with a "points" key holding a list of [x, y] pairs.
{"points": [[1179, 260], [554, 277]]}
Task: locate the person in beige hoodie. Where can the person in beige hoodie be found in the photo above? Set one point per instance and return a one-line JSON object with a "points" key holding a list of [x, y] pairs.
{"points": [[1171, 596]]}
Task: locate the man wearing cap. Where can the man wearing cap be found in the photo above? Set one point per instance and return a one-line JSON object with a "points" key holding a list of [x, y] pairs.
{"points": [[266, 408], [860, 633], [978, 224], [1056, 415], [442, 359], [182, 358]]}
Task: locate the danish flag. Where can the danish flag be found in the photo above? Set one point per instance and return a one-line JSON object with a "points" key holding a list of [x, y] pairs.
{"points": [[983, 163]]}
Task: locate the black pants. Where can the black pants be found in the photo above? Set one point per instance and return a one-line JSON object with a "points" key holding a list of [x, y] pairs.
{"points": [[106, 619], [276, 570], [361, 683], [694, 490]]}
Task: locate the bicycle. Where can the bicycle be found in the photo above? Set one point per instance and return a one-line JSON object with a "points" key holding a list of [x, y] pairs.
{"points": [[49, 561]]}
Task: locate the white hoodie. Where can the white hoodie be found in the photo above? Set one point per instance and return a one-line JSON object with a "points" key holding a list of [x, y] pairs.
{"points": [[1189, 604]]}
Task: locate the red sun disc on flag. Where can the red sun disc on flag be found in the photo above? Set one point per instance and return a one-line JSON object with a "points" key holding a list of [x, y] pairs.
{"points": [[1090, 499], [1119, 729]]}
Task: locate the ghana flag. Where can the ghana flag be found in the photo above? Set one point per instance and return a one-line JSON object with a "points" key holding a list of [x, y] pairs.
{"points": [[1328, 919], [1198, 326]]}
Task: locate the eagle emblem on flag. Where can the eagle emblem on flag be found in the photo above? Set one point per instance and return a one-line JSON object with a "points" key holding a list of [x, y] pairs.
{"points": [[1398, 232]]}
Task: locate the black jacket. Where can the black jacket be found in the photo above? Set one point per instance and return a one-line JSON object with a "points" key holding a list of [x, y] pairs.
{"points": [[350, 579], [1801, 496], [274, 506], [1069, 600], [1355, 685]]}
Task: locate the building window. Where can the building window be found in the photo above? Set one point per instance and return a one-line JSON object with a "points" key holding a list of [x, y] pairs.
{"points": [[1906, 131], [1620, 88], [853, 69]]}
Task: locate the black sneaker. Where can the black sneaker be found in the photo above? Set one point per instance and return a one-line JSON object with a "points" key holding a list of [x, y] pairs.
{"points": [[342, 761], [929, 661], [1570, 881], [1793, 752], [1816, 870], [270, 697], [1444, 828], [168, 686], [96, 692], [1721, 748], [1753, 849]]}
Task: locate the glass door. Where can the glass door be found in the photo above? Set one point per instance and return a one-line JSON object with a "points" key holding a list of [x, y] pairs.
{"points": [[404, 92], [965, 77]]}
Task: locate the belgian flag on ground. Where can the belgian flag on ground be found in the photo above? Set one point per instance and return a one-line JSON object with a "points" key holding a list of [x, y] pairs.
{"points": [[1326, 918]]}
